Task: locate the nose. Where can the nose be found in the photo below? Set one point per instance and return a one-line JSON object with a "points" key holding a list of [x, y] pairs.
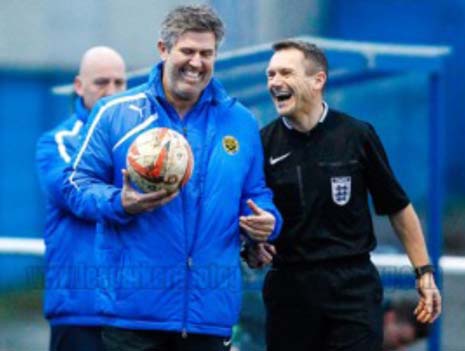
{"points": [[196, 61], [274, 82], [111, 89]]}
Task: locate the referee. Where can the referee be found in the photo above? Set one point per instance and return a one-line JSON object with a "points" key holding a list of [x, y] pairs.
{"points": [[323, 292]]}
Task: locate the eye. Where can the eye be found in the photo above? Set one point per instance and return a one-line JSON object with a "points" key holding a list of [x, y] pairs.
{"points": [[187, 51], [207, 53], [119, 82], [101, 82]]}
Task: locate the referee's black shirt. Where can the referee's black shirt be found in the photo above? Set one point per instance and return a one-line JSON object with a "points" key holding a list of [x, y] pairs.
{"points": [[321, 181]]}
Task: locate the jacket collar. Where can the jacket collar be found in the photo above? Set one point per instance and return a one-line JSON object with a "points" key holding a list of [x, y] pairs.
{"points": [[81, 111]]}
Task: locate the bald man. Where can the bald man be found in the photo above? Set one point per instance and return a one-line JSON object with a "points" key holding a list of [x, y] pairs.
{"points": [[70, 274]]}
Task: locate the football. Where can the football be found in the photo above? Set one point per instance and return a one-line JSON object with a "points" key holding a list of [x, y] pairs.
{"points": [[160, 158]]}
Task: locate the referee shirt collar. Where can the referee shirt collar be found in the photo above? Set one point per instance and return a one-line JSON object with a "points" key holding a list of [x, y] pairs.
{"points": [[321, 120]]}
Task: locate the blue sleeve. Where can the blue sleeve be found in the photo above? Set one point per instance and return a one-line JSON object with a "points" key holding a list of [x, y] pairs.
{"points": [[52, 157], [255, 187], [88, 187]]}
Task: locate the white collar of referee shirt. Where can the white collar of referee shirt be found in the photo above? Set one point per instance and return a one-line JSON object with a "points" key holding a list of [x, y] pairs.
{"points": [[321, 120]]}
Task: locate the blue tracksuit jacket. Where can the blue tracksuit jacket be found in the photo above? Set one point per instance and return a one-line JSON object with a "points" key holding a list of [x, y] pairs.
{"points": [[176, 268], [70, 275]]}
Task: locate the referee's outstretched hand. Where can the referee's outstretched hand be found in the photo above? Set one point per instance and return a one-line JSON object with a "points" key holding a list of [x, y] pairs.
{"points": [[259, 225], [429, 305], [135, 202]]}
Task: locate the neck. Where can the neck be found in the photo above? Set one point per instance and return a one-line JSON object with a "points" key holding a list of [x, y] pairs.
{"points": [[308, 119], [181, 106]]}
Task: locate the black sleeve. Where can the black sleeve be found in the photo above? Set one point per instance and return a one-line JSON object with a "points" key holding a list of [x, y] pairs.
{"points": [[388, 195]]}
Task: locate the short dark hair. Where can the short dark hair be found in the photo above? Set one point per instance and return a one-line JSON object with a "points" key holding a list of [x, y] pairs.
{"points": [[311, 52], [196, 18]]}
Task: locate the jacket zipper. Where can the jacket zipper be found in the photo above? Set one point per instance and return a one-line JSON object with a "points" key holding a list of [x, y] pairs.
{"points": [[188, 258]]}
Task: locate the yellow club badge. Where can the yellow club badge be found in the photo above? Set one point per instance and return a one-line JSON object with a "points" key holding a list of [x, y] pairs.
{"points": [[230, 145]]}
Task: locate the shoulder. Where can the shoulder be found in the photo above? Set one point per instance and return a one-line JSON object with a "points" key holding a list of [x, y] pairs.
{"points": [[69, 125], [271, 128], [234, 113], [132, 97], [348, 124]]}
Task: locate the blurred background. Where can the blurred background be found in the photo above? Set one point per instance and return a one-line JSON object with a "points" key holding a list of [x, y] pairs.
{"points": [[41, 43]]}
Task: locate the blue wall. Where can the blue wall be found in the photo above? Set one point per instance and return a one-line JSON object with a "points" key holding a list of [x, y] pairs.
{"points": [[417, 22], [27, 109]]}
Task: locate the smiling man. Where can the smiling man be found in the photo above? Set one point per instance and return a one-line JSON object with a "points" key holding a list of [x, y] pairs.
{"points": [[173, 281], [323, 292]]}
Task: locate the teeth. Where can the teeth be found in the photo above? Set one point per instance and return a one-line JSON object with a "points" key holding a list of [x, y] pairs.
{"points": [[191, 74]]}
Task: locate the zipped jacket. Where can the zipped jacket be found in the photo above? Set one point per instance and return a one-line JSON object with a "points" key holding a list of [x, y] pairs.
{"points": [[70, 270], [176, 268]]}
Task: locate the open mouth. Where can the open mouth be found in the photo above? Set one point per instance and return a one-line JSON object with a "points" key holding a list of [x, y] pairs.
{"points": [[281, 95], [190, 75]]}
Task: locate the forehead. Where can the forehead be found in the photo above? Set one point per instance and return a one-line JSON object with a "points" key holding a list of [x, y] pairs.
{"points": [[200, 40], [106, 69], [287, 58]]}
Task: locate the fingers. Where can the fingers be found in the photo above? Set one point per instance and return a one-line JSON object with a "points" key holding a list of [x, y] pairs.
{"points": [[165, 200], [263, 254], [257, 225], [429, 306], [271, 249], [253, 206], [423, 311], [437, 306], [255, 234], [126, 183]]}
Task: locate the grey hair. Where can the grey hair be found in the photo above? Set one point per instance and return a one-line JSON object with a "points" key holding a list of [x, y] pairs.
{"points": [[311, 52], [195, 18]]}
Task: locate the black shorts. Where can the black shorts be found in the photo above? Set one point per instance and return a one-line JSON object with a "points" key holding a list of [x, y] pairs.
{"points": [[75, 338], [118, 339], [327, 306]]}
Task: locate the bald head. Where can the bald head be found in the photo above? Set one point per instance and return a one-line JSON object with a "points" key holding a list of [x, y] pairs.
{"points": [[102, 72]]}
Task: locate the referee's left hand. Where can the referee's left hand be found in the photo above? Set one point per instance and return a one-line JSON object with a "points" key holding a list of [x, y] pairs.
{"points": [[259, 225], [429, 306]]}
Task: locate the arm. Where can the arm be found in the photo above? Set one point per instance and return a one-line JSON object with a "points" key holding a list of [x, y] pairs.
{"points": [[389, 198], [87, 184], [89, 188], [407, 227], [52, 157], [259, 216]]}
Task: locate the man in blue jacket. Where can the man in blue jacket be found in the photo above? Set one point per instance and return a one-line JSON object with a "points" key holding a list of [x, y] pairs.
{"points": [[172, 271], [70, 267]]}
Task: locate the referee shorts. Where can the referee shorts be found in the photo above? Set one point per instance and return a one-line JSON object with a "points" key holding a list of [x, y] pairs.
{"points": [[75, 338], [334, 305]]}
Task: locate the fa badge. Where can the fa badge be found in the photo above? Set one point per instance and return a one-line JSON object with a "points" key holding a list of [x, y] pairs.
{"points": [[340, 189], [230, 145]]}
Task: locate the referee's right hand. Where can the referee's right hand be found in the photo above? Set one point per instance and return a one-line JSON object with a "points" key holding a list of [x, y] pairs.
{"points": [[430, 304]]}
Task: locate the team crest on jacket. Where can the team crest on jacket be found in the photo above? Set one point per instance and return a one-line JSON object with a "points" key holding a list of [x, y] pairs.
{"points": [[340, 189], [230, 145]]}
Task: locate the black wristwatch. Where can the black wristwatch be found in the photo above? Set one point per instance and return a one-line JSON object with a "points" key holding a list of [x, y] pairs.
{"points": [[427, 268]]}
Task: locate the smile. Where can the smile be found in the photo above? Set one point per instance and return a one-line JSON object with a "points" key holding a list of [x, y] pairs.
{"points": [[191, 75], [281, 95]]}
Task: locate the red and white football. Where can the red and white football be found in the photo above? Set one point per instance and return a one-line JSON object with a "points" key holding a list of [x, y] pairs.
{"points": [[160, 158]]}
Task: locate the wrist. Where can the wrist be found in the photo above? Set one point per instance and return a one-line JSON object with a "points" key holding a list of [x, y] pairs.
{"points": [[422, 270]]}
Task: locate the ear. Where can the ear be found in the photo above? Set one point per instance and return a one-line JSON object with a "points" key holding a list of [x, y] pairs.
{"points": [[78, 86], [320, 80], [162, 50]]}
